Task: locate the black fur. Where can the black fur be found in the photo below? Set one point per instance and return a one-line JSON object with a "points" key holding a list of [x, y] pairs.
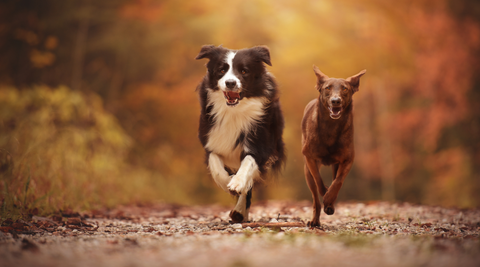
{"points": [[265, 139], [249, 198]]}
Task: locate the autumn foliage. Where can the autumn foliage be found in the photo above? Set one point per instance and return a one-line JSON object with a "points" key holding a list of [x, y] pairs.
{"points": [[98, 97]]}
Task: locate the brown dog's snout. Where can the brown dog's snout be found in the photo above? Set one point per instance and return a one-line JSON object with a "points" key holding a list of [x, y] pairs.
{"points": [[336, 101]]}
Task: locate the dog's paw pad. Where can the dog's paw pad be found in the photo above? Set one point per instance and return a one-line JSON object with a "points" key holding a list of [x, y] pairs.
{"points": [[236, 216], [330, 210]]}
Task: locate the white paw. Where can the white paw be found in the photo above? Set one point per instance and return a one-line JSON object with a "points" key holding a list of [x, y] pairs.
{"points": [[237, 185]]}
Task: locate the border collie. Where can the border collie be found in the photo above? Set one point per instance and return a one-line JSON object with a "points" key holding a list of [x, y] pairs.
{"points": [[241, 122]]}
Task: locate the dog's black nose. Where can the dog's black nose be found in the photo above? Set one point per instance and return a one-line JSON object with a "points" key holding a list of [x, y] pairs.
{"points": [[336, 101], [230, 84]]}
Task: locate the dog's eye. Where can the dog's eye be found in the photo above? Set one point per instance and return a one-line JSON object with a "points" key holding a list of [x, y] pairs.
{"points": [[244, 72], [222, 71], [344, 88], [327, 88]]}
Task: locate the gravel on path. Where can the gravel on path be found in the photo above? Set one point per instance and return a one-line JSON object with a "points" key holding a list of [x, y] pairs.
{"points": [[358, 234]]}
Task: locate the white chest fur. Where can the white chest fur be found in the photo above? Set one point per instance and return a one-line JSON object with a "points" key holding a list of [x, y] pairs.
{"points": [[230, 122]]}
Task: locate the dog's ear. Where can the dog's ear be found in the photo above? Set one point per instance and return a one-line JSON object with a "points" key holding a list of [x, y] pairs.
{"points": [[207, 51], [321, 78], [355, 80], [263, 53]]}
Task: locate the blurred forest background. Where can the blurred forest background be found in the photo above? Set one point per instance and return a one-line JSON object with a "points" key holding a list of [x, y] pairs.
{"points": [[98, 104]]}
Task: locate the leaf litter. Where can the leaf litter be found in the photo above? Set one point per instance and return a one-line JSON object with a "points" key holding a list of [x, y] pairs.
{"points": [[370, 234]]}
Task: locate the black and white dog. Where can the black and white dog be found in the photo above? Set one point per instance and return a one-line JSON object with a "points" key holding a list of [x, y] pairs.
{"points": [[241, 122]]}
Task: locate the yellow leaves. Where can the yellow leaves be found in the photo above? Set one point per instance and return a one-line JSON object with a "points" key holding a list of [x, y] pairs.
{"points": [[75, 151]]}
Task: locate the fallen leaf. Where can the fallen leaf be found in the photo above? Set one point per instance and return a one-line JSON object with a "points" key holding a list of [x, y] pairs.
{"points": [[19, 226], [74, 221], [6, 229], [70, 213], [57, 218]]}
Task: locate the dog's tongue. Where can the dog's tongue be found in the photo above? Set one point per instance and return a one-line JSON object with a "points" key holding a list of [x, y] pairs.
{"points": [[231, 95], [335, 111]]}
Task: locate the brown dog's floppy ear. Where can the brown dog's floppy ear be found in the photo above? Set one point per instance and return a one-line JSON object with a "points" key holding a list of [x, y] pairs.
{"points": [[355, 80], [263, 54], [206, 52], [321, 78]]}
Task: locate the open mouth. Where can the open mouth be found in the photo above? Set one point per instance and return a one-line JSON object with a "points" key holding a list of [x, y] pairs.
{"points": [[232, 98], [335, 112]]}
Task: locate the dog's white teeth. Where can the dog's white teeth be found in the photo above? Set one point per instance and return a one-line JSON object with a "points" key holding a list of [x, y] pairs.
{"points": [[232, 102]]}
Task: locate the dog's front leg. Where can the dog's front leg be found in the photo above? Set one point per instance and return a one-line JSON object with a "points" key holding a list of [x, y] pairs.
{"points": [[315, 172], [315, 183], [240, 212], [317, 207], [332, 192], [241, 185], [242, 182], [217, 169]]}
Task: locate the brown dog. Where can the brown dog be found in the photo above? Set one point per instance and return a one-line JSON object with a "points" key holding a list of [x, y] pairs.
{"points": [[327, 138]]}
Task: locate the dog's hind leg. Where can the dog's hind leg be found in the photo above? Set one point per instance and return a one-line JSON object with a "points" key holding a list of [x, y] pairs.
{"points": [[332, 193]]}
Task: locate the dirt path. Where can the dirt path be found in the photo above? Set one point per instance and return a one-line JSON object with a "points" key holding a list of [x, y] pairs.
{"points": [[375, 234]]}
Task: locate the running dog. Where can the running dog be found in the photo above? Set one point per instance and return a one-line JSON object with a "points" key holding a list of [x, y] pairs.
{"points": [[241, 122], [327, 138]]}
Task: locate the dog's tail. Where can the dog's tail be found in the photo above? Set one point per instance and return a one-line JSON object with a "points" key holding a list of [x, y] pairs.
{"points": [[276, 163]]}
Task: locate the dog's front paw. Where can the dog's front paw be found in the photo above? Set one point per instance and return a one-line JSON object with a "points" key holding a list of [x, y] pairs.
{"points": [[328, 202], [236, 216], [313, 223], [236, 187], [232, 192], [329, 210]]}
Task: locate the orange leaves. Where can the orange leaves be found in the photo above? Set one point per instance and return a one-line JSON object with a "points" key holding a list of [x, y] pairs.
{"points": [[38, 58], [146, 10], [139, 58], [51, 42], [41, 59]]}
